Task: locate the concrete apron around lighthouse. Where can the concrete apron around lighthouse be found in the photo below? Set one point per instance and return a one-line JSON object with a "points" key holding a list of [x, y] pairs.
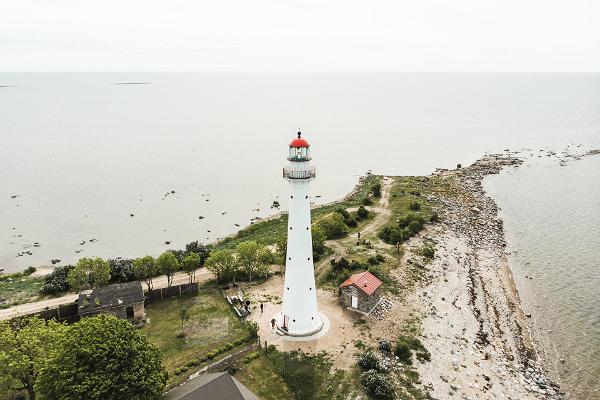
{"points": [[299, 316]]}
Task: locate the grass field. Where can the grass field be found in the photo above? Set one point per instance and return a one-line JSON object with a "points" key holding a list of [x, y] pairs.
{"points": [[211, 326], [19, 290]]}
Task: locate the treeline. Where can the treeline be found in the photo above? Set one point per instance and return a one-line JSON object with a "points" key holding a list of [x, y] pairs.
{"points": [[93, 272]]}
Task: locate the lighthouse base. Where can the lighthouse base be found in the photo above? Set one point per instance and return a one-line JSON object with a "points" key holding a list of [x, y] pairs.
{"points": [[321, 327]]}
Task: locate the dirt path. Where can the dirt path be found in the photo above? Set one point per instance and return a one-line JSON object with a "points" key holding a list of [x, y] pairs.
{"points": [[159, 282]]}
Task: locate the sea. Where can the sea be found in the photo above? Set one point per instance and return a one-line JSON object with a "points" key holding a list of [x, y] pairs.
{"points": [[129, 164]]}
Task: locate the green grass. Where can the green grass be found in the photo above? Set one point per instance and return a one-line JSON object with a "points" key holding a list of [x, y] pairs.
{"points": [[403, 193], [296, 375], [19, 290], [211, 326]]}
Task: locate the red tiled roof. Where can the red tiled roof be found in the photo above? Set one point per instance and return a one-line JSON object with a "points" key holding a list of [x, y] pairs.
{"points": [[365, 281]]}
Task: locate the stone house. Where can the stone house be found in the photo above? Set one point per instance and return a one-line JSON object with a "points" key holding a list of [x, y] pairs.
{"points": [[123, 300], [360, 292]]}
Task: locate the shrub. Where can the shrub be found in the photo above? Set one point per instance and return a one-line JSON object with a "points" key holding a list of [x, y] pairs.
{"points": [[385, 345], [372, 260], [366, 201], [380, 258], [368, 360], [415, 206], [427, 251], [343, 212], [332, 225], [29, 270], [376, 190], [362, 213], [434, 218], [252, 356], [377, 385], [56, 281], [391, 234], [403, 352], [351, 223], [414, 227]]}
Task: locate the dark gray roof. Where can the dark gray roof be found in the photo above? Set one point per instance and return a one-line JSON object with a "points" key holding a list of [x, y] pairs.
{"points": [[111, 296], [216, 386]]}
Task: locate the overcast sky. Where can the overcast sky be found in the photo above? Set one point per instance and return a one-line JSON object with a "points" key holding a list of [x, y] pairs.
{"points": [[307, 35]]}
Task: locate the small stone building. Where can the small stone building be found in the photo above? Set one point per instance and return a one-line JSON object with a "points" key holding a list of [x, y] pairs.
{"points": [[123, 300], [360, 292]]}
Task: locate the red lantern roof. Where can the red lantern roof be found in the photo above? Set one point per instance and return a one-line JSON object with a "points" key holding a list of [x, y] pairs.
{"points": [[299, 142], [365, 281]]}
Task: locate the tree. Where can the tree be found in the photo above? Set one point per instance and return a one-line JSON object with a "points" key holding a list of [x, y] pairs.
{"points": [[333, 225], [190, 264], [24, 350], [121, 270], [201, 250], [282, 247], [145, 269], [57, 281], [251, 257], [222, 263], [89, 272], [106, 358], [184, 315], [167, 264], [318, 242]]}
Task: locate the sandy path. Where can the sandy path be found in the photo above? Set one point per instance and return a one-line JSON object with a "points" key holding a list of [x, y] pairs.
{"points": [[159, 282]]}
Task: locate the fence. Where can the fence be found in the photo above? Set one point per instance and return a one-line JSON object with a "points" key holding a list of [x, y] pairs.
{"points": [[165, 293]]}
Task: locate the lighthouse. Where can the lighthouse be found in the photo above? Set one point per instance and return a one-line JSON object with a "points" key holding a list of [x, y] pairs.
{"points": [[299, 315]]}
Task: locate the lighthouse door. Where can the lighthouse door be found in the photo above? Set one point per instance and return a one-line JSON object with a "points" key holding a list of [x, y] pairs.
{"points": [[286, 320]]}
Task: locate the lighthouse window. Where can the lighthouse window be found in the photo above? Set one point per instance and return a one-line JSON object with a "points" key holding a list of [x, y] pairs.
{"points": [[290, 258], [290, 228], [307, 197], [308, 258], [288, 288], [291, 197], [307, 228], [309, 288], [293, 320]]}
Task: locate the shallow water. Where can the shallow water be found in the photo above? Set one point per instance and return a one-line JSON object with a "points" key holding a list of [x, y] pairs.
{"points": [[552, 223]]}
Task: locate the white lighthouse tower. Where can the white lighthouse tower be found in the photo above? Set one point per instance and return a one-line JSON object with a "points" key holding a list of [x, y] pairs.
{"points": [[299, 315]]}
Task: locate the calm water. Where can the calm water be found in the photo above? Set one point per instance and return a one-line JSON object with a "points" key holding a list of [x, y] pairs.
{"points": [[552, 223], [83, 153]]}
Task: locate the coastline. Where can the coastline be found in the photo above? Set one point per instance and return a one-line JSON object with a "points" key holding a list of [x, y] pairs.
{"points": [[481, 341]]}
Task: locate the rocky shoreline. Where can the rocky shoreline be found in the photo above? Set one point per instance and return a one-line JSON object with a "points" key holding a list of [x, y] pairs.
{"points": [[473, 324]]}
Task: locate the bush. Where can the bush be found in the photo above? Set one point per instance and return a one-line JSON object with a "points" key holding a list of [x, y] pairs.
{"points": [[368, 360], [332, 225], [351, 223], [56, 282], [385, 345], [415, 206], [252, 356], [372, 260], [362, 213], [380, 258], [29, 270], [434, 218], [427, 251], [376, 190], [366, 201], [377, 385], [391, 234], [343, 212], [403, 352], [414, 227]]}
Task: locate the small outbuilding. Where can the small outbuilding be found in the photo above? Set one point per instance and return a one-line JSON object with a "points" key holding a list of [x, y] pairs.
{"points": [[360, 292], [217, 386], [123, 300]]}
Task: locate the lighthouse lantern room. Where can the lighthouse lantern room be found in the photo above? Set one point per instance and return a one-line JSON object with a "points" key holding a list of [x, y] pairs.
{"points": [[299, 314]]}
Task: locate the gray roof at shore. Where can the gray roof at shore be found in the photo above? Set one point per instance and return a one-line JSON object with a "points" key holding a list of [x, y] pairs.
{"points": [[215, 386], [111, 296]]}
